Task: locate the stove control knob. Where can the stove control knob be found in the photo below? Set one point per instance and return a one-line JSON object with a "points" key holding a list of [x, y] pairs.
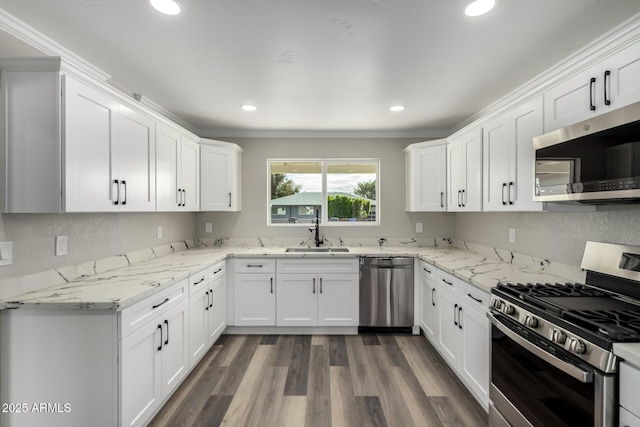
{"points": [[558, 337], [574, 345], [530, 321], [497, 304], [507, 309]]}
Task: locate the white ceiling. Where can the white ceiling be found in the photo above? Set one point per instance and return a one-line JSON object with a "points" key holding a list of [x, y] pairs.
{"points": [[320, 65]]}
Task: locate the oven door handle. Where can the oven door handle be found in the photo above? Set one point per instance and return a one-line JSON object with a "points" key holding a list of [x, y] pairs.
{"points": [[567, 368]]}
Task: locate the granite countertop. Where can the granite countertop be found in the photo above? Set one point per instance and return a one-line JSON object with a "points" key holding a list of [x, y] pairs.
{"points": [[123, 286]]}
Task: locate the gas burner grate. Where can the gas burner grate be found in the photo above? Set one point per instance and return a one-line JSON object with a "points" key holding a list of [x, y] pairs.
{"points": [[550, 290], [620, 325]]}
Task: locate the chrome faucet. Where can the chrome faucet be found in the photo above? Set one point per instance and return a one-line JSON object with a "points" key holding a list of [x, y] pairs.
{"points": [[318, 240]]}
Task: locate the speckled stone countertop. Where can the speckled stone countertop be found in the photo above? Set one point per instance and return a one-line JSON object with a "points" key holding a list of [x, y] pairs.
{"points": [[119, 282]]}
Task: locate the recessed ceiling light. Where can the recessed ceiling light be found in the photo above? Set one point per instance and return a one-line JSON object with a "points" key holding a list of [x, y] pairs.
{"points": [[168, 7], [248, 107], [479, 7], [397, 108]]}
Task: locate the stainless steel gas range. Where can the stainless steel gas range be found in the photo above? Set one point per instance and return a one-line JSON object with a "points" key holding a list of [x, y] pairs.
{"points": [[552, 361]]}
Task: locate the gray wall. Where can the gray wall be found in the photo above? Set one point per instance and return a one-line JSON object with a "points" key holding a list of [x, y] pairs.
{"points": [[555, 236], [91, 237], [252, 221]]}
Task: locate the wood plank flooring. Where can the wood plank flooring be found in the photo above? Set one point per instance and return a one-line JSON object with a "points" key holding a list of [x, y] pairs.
{"points": [[356, 380]]}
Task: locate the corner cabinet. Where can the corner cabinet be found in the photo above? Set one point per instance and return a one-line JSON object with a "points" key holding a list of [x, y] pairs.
{"points": [[426, 182], [464, 172], [178, 171], [508, 159], [220, 174]]}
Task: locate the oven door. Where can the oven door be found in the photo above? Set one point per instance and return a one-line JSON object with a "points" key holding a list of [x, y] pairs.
{"points": [[535, 383]]}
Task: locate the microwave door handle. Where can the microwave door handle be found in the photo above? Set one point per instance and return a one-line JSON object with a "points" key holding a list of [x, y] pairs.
{"points": [[567, 368]]}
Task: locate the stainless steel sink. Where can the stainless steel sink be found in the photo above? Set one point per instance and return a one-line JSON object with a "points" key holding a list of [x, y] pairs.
{"points": [[317, 250]]}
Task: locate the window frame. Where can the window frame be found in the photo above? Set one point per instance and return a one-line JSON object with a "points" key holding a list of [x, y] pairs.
{"points": [[324, 220]]}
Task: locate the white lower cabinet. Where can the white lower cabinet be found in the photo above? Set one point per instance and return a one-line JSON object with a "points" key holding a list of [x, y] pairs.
{"points": [[318, 292], [629, 409], [254, 290], [207, 310], [463, 332], [428, 300], [154, 357]]}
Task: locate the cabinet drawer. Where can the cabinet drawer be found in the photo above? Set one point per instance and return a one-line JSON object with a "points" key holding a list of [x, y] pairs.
{"points": [[318, 265], [474, 297], [216, 271], [627, 419], [629, 380], [198, 281], [255, 265], [448, 282], [135, 317], [428, 270]]}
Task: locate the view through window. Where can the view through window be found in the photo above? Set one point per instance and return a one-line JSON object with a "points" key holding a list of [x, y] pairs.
{"points": [[340, 192]]}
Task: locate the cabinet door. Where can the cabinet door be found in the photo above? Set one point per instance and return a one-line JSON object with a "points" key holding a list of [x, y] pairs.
{"points": [[198, 323], [429, 179], [570, 101], [472, 171], [528, 123], [167, 156], [217, 309], [140, 375], [216, 191], [454, 174], [297, 300], [89, 118], [136, 161], [448, 332], [622, 86], [338, 300], [474, 360], [190, 174], [175, 347], [428, 308], [255, 300], [498, 139]]}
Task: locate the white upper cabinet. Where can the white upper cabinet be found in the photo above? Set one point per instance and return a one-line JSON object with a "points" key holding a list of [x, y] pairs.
{"points": [[610, 84], [177, 171], [508, 158], [464, 171], [220, 173], [426, 169], [94, 149]]}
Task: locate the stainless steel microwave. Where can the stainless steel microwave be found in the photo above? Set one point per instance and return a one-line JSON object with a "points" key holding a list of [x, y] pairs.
{"points": [[596, 161]]}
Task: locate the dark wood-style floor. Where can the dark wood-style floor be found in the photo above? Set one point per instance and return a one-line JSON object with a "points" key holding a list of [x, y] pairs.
{"points": [[360, 380]]}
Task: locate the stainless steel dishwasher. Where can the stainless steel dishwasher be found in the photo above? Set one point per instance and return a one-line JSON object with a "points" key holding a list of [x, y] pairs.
{"points": [[386, 292]]}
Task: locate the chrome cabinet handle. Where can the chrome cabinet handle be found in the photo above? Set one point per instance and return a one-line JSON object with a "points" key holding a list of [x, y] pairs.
{"points": [[607, 78], [592, 106], [511, 184], [229, 199], [124, 199], [117, 183]]}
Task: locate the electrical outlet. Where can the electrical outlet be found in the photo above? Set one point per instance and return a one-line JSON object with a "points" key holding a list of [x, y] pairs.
{"points": [[61, 245], [512, 235], [418, 227], [159, 232], [208, 227]]}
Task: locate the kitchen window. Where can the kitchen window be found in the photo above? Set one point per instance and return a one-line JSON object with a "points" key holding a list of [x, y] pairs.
{"points": [[340, 192]]}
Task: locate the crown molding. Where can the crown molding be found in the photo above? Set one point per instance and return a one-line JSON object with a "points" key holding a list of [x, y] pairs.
{"points": [[33, 37], [369, 134], [164, 112]]}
